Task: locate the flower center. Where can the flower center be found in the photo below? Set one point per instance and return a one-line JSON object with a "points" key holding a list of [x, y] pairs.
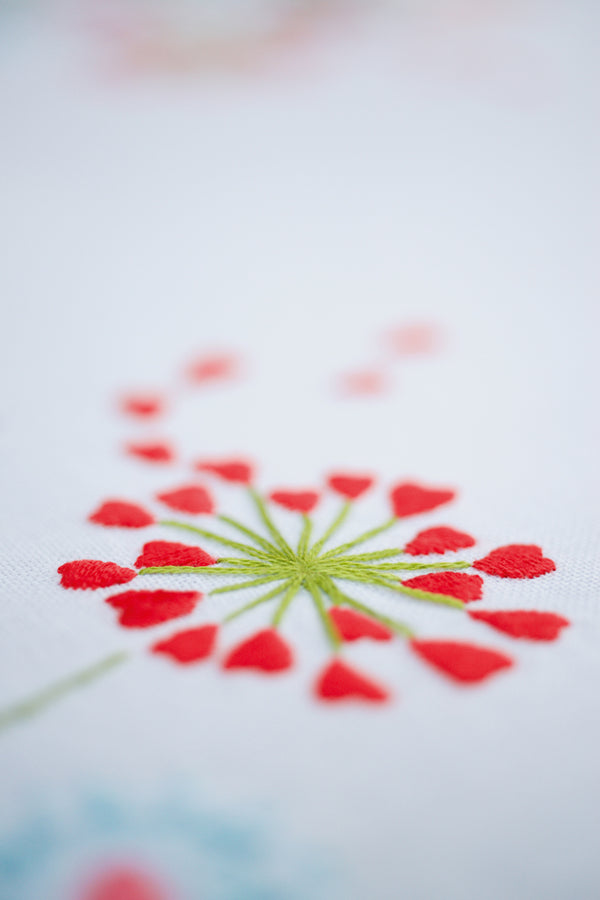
{"points": [[306, 568]]}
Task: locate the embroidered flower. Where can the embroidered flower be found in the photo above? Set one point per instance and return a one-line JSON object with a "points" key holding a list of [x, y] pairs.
{"points": [[277, 570]]}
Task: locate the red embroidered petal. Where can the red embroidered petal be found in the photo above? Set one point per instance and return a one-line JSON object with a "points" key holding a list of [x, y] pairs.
{"points": [[462, 662], [265, 651], [213, 368], [296, 501], [516, 561], [189, 646], [350, 486], [412, 339], [366, 382], [121, 513], [438, 540], [92, 573], [408, 499], [124, 884], [453, 584], [142, 405], [339, 682], [142, 609], [236, 470], [354, 625], [518, 623], [159, 452], [190, 498], [169, 553]]}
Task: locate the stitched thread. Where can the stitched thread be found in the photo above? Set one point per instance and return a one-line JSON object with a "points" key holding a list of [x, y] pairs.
{"points": [[269, 559]]}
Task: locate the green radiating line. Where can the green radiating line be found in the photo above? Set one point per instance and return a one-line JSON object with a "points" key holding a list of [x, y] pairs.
{"points": [[361, 539], [218, 538], [337, 523]]}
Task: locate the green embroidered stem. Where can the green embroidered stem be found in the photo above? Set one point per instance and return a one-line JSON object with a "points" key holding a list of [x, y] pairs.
{"points": [[274, 593], [305, 536], [257, 538], [246, 584], [219, 539], [361, 539], [398, 566], [202, 570], [372, 557], [285, 602], [360, 576], [328, 625], [337, 522], [268, 522], [240, 561], [393, 624], [40, 701]]}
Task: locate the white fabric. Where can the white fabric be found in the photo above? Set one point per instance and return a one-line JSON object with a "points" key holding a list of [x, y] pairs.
{"points": [[393, 173]]}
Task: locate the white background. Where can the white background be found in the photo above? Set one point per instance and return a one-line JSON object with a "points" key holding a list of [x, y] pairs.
{"points": [[401, 169]]}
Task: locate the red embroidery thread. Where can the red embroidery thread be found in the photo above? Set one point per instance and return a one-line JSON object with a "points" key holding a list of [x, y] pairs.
{"points": [[350, 486], [462, 662], [454, 584], [296, 501], [190, 646], [142, 609], [265, 651], [235, 470], [518, 623], [191, 498], [170, 553], [121, 514], [438, 540], [354, 625], [89, 574], [516, 561], [340, 682], [157, 452], [409, 499]]}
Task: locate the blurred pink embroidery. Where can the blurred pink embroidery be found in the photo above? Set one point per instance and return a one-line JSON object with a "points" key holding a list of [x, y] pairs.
{"points": [[397, 345]]}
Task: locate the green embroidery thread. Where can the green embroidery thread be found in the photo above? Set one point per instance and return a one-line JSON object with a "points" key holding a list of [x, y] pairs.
{"points": [[275, 562]]}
